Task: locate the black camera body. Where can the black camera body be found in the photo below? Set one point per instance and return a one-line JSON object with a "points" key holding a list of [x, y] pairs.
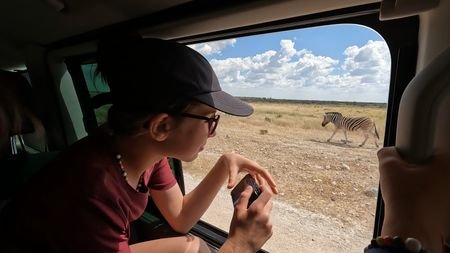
{"points": [[241, 186]]}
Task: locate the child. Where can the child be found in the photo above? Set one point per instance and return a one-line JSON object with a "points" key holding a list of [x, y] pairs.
{"points": [[165, 97]]}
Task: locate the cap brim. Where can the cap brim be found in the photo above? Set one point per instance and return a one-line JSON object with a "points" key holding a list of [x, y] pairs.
{"points": [[226, 103]]}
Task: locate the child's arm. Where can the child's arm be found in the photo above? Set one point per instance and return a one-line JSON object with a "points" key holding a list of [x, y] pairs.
{"points": [[183, 212], [252, 227]]}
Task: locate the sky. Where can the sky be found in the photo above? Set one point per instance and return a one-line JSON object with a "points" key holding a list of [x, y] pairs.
{"points": [[331, 63]]}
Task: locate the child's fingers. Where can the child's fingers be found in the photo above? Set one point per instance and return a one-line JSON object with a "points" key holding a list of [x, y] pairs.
{"points": [[258, 170], [259, 179], [263, 199], [243, 199]]}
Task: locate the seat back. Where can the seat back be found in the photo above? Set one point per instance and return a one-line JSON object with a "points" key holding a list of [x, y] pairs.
{"points": [[17, 116], [18, 161]]}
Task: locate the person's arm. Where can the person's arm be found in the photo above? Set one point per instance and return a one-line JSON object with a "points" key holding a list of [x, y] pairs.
{"points": [[250, 228], [183, 212], [416, 197]]}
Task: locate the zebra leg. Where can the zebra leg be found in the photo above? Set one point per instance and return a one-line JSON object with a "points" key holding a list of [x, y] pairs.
{"points": [[364, 142], [345, 134], [335, 130]]}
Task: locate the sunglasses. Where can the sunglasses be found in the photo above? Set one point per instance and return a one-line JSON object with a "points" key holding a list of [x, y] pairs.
{"points": [[212, 121]]}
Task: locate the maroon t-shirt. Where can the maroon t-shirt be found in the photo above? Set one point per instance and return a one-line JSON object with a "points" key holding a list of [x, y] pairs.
{"points": [[79, 203]]}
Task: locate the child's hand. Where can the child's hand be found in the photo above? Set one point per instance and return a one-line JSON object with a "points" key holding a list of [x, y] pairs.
{"points": [[251, 228], [237, 163]]}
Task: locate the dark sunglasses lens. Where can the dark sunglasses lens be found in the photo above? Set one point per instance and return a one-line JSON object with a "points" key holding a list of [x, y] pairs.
{"points": [[213, 124]]}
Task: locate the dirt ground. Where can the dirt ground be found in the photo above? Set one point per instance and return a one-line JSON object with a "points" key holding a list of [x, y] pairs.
{"points": [[328, 190]]}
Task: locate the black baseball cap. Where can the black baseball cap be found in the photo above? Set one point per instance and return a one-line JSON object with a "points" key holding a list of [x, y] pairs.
{"points": [[166, 67]]}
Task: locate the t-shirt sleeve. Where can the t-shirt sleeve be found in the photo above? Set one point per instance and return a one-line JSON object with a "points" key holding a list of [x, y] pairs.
{"points": [[161, 177]]}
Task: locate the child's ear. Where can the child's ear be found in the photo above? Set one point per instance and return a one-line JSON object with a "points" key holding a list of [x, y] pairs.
{"points": [[159, 126]]}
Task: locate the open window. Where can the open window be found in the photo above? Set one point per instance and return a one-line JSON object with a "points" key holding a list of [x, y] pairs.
{"points": [[292, 72], [328, 189]]}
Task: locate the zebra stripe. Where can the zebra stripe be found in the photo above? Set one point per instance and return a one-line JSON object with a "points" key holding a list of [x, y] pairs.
{"points": [[351, 124]]}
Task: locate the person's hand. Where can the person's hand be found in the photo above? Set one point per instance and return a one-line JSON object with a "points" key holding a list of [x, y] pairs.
{"points": [[250, 228], [237, 163], [416, 196]]}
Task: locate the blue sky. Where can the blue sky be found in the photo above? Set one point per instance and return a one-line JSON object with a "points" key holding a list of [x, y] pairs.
{"points": [[338, 62]]}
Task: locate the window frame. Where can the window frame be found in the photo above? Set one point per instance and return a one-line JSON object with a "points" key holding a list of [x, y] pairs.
{"points": [[403, 48]]}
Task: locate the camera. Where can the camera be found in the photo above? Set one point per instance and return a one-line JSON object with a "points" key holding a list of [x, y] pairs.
{"points": [[241, 186]]}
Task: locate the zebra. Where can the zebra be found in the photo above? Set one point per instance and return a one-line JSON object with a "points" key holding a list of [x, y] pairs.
{"points": [[351, 124]]}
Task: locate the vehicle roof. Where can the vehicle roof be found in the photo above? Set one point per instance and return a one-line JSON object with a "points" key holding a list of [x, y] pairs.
{"points": [[26, 23]]}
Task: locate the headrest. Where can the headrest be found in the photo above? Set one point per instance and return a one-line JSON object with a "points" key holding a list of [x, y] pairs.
{"points": [[16, 103]]}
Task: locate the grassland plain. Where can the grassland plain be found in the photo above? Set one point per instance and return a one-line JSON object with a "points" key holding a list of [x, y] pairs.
{"points": [[330, 179]]}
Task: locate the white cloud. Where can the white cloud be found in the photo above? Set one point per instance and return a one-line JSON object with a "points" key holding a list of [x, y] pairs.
{"points": [[299, 74], [371, 62], [213, 47]]}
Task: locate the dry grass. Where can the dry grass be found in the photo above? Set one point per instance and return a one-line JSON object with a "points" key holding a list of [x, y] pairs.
{"points": [[292, 116], [334, 179]]}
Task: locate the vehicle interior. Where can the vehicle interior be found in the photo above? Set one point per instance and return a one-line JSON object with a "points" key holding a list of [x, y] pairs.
{"points": [[48, 46]]}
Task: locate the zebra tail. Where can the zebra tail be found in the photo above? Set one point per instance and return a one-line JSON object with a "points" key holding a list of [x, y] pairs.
{"points": [[376, 132]]}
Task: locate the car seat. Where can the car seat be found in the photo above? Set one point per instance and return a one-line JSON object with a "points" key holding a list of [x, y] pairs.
{"points": [[19, 161]]}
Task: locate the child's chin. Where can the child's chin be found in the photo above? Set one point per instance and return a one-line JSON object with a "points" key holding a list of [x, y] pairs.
{"points": [[190, 159]]}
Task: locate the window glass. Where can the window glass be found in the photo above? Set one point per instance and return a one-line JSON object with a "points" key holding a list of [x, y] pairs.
{"points": [[96, 86], [328, 188], [72, 103]]}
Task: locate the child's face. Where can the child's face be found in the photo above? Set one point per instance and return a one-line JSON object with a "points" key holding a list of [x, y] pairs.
{"points": [[190, 137]]}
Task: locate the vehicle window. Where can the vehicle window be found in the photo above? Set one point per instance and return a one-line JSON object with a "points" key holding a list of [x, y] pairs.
{"points": [[96, 86], [328, 189]]}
